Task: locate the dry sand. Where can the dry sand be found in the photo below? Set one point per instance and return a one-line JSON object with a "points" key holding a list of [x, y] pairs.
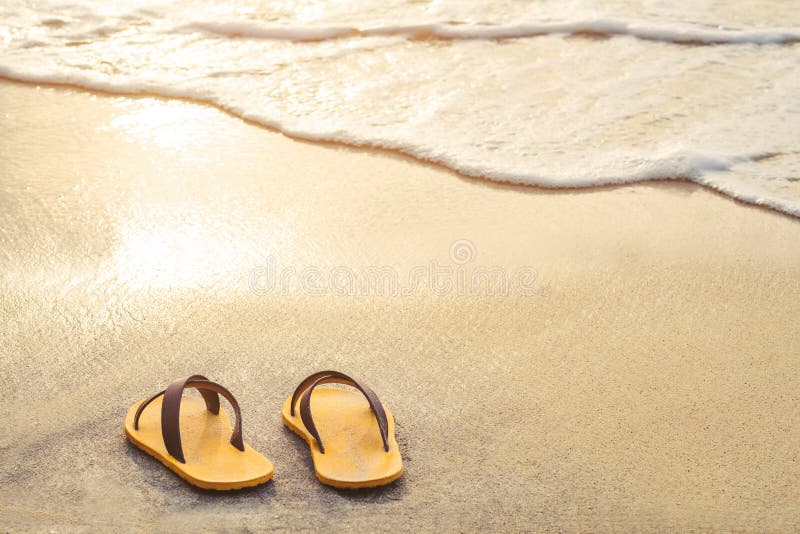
{"points": [[648, 381]]}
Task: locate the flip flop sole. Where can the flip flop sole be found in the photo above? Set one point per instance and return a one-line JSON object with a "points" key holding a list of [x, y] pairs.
{"points": [[211, 461], [354, 456]]}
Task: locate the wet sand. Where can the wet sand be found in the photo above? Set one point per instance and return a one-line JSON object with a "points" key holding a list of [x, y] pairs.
{"points": [[642, 375]]}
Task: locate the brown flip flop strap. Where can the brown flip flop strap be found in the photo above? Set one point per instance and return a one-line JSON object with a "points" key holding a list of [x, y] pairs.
{"points": [[340, 378], [171, 407], [211, 398], [310, 379]]}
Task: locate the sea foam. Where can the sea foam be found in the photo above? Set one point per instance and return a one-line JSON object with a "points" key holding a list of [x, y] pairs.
{"points": [[543, 102], [674, 33]]}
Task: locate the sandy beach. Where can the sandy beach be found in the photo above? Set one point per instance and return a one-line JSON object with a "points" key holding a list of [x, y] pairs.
{"points": [[643, 377]]}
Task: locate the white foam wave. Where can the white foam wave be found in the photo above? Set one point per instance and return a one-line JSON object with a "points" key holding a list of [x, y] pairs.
{"points": [[551, 112], [674, 33], [705, 168]]}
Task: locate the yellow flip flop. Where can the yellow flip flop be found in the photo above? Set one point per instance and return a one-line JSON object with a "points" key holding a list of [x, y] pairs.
{"points": [[190, 436], [359, 449]]}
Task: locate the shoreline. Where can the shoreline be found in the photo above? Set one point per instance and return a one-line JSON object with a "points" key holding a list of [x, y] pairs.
{"points": [[398, 153], [648, 383]]}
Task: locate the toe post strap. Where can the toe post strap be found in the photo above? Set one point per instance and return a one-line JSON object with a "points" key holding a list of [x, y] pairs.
{"points": [[306, 387], [171, 409]]}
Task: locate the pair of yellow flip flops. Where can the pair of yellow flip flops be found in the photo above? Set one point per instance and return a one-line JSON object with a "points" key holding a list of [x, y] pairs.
{"points": [[350, 433]]}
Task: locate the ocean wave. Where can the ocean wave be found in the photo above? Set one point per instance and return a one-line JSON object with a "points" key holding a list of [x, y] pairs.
{"points": [[674, 33], [495, 103], [707, 168]]}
